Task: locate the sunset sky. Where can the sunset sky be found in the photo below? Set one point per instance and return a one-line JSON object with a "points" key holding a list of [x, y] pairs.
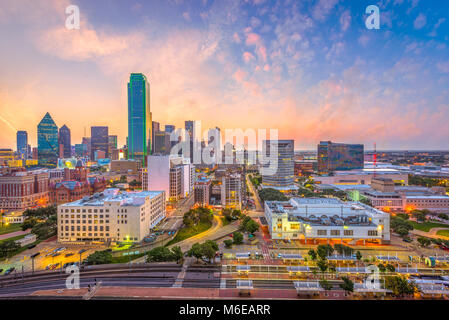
{"points": [[308, 68]]}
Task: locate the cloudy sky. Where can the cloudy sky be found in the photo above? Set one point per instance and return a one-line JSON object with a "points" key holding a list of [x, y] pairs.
{"points": [[308, 68]]}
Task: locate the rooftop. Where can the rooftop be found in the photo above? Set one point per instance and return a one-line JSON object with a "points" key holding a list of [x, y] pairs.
{"points": [[114, 195]]}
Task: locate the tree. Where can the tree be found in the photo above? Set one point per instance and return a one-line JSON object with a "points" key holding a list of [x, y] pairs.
{"points": [[390, 268], [99, 257], [228, 243], [312, 254], [8, 247], [324, 251], [249, 225], [322, 265], [382, 267], [238, 237], [326, 285], [347, 285], [270, 194], [358, 255], [196, 251], [423, 241], [177, 253], [399, 285]]}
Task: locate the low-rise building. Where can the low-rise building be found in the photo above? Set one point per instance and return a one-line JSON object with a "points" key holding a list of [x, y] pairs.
{"points": [[111, 216], [326, 219]]}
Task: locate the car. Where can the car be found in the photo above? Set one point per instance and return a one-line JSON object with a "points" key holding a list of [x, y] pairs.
{"points": [[48, 267], [68, 255], [9, 271], [407, 240], [1, 270], [55, 254]]}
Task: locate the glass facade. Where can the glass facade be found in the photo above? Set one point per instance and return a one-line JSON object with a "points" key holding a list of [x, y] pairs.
{"points": [[64, 139], [339, 156], [139, 117], [47, 141], [99, 140], [284, 162], [22, 144]]}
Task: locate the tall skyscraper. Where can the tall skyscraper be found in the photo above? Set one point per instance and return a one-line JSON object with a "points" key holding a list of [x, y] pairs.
{"points": [[47, 141], [169, 128], [22, 144], [99, 136], [189, 125], [65, 141], [339, 156], [282, 160], [155, 127], [161, 143], [112, 142], [139, 117], [87, 141]]}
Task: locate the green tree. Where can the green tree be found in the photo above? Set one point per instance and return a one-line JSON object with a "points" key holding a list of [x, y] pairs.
{"points": [[358, 255], [390, 268], [423, 241], [347, 285], [400, 286], [322, 265], [196, 251], [8, 248], [324, 250], [228, 243], [238, 237], [326, 285], [270, 194], [99, 257], [312, 254]]}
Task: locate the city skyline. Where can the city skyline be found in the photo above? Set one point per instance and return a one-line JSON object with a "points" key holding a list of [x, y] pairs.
{"points": [[311, 70]]}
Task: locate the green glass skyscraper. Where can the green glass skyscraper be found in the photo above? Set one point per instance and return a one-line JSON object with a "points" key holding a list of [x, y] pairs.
{"points": [[47, 141], [139, 117]]}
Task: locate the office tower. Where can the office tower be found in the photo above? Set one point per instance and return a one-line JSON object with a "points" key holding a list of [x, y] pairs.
{"points": [[339, 156], [282, 163], [169, 128], [112, 144], [87, 141], [231, 191], [47, 141], [189, 126], [158, 170], [22, 144], [81, 150], [161, 143], [99, 140], [139, 117], [64, 140], [155, 127]]}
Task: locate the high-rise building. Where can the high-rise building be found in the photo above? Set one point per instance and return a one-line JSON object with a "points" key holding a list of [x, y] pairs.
{"points": [[87, 141], [139, 117], [47, 141], [169, 128], [22, 144], [189, 126], [81, 150], [112, 142], [339, 156], [231, 191], [64, 140], [158, 174], [161, 143], [99, 136], [155, 127], [279, 170]]}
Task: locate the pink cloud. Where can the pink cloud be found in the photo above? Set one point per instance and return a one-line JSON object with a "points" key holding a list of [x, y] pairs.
{"points": [[252, 39], [247, 56]]}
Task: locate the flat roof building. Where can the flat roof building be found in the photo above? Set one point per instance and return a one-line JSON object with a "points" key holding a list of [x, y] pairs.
{"points": [[111, 216], [326, 219]]}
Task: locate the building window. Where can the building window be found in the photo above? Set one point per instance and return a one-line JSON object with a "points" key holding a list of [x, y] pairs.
{"points": [[349, 232], [335, 232], [372, 233], [321, 232]]}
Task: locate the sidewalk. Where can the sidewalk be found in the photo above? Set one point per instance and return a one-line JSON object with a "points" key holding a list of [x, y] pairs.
{"points": [[14, 234]]}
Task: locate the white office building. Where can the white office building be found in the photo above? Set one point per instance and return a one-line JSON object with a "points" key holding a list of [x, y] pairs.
{"points": [[111, 216], [326, 219], [158, 174]]}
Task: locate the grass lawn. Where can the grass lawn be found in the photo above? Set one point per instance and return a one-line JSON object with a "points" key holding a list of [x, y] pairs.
{"points": [[13, 227], [188, 232], [426, 226], [443, 233], [225, 221]]}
